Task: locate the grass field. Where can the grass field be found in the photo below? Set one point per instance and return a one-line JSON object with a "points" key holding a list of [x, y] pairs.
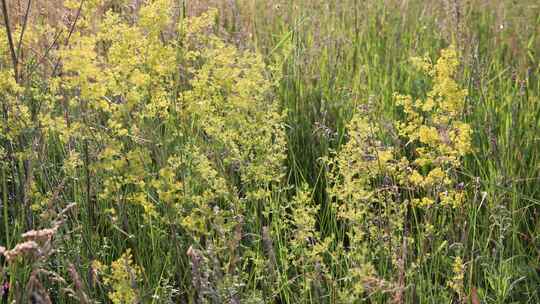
{"points": [[254, 151]]}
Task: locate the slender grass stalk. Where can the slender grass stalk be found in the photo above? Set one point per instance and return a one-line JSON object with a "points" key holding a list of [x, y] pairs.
{"points": [[5, 206], [7, 24]]}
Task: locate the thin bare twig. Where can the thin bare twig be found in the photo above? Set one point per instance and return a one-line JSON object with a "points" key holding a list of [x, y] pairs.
{"points": [[44, 57], [23, 29], [10, 40], [71, 30]]}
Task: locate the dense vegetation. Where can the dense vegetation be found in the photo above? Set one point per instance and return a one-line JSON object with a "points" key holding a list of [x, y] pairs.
{"points": [[254, 151]]}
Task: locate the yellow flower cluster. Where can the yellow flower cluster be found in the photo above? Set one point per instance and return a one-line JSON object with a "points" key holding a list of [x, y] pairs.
{"points": [[17, 114], [123, 279], [439, 138], [456, 282], [229, 103], [436, 120], [435, 139], [163, 120], [375, 180], [153, 85], [366, 200]]}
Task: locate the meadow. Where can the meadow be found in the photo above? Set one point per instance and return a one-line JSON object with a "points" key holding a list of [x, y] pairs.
{"points": [[257, 151]]}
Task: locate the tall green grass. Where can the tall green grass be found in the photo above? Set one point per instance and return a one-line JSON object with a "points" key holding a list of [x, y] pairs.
{"points": [[335, 58], [347, 53]]}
